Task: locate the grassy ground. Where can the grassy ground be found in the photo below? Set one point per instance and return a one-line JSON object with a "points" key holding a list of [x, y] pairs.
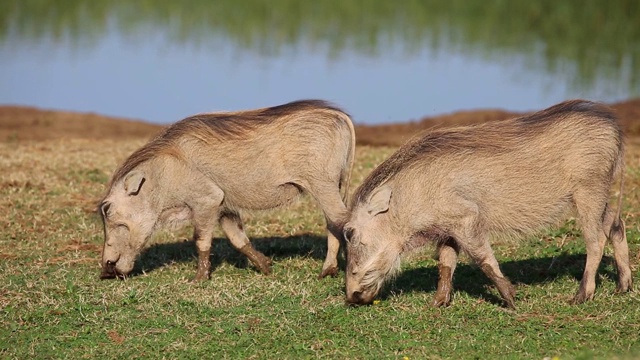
{"points": [[52, 304]]}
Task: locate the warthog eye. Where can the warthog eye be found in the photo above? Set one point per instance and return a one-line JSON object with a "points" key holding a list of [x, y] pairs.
{"points": [[104, 208], [348, 234]]}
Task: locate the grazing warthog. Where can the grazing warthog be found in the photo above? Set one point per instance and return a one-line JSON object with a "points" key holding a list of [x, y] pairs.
{"points": [[206, 168], [457, 187]]}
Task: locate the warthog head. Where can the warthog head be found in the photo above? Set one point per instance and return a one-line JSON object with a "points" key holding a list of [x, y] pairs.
{"points": [[128, 220], [373, 249]]}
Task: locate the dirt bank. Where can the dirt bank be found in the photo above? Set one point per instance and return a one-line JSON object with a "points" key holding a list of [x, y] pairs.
{"points": [[27, 123]]}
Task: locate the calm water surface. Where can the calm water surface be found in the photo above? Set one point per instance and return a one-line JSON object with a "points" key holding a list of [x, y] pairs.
{"points": [[163, 60]]}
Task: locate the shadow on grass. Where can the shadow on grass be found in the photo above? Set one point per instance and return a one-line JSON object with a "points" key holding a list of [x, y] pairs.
{"points": [[276, 248], [470, 279]]}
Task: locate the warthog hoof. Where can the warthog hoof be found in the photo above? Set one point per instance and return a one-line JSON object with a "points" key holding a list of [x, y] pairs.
{"points": [[201, 276], [624, 286], [441, 299], [263, 265], [580, 297], [331, 271]]}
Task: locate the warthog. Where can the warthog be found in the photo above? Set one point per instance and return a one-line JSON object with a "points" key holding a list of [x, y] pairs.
{"points": [[206, 168], [458, 187]]}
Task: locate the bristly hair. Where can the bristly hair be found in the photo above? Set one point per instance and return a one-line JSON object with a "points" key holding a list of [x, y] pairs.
{"points": [[162, 144], [577, 106], [492, 137], [297, 106], [235, 125], [214, 127]]}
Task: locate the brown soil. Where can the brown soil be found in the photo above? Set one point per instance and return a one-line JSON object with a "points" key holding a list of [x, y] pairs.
{"points": [[396, 134], [26, 123]]}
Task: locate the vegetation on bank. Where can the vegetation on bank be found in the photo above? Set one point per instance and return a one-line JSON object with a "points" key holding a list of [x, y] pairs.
{"points": [[596, 43]]}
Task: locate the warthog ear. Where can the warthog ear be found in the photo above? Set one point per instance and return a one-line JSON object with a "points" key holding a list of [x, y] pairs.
{"points": [[133, 182], [379, 200]]}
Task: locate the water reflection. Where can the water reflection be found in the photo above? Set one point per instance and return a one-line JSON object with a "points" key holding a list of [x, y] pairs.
{"points": [[592, 46]]}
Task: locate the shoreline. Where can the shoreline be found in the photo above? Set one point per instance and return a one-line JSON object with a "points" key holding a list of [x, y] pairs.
{"points": [[27, 123]]}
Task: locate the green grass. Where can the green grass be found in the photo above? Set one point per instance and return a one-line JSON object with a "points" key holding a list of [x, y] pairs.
{"points": [[52, 304]]}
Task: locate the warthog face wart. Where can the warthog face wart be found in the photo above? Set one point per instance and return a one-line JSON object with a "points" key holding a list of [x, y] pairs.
{"points": [[372, 254]]}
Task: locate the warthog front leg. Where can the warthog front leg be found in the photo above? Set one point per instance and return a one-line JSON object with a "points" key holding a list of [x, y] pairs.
{"points": [[205, 212], [505, 288], [203, 237], [204, 265], [480, 251], [448, 259], [476, 244], [232, 226]]}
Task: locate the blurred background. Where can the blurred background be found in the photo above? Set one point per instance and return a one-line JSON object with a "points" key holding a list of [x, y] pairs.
{"points": [[382, 61]]}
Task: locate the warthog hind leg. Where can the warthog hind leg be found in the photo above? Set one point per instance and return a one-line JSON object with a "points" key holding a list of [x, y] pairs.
{"points": [[335, 213], [330, 266], [590, 212], [614, 227]]}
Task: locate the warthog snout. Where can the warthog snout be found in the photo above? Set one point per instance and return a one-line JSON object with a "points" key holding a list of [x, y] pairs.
{"points": [[359, 298], [109, 270], [355, 297]]}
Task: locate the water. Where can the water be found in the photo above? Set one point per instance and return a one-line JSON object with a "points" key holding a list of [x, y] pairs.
{"points": [[160, 61]]}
